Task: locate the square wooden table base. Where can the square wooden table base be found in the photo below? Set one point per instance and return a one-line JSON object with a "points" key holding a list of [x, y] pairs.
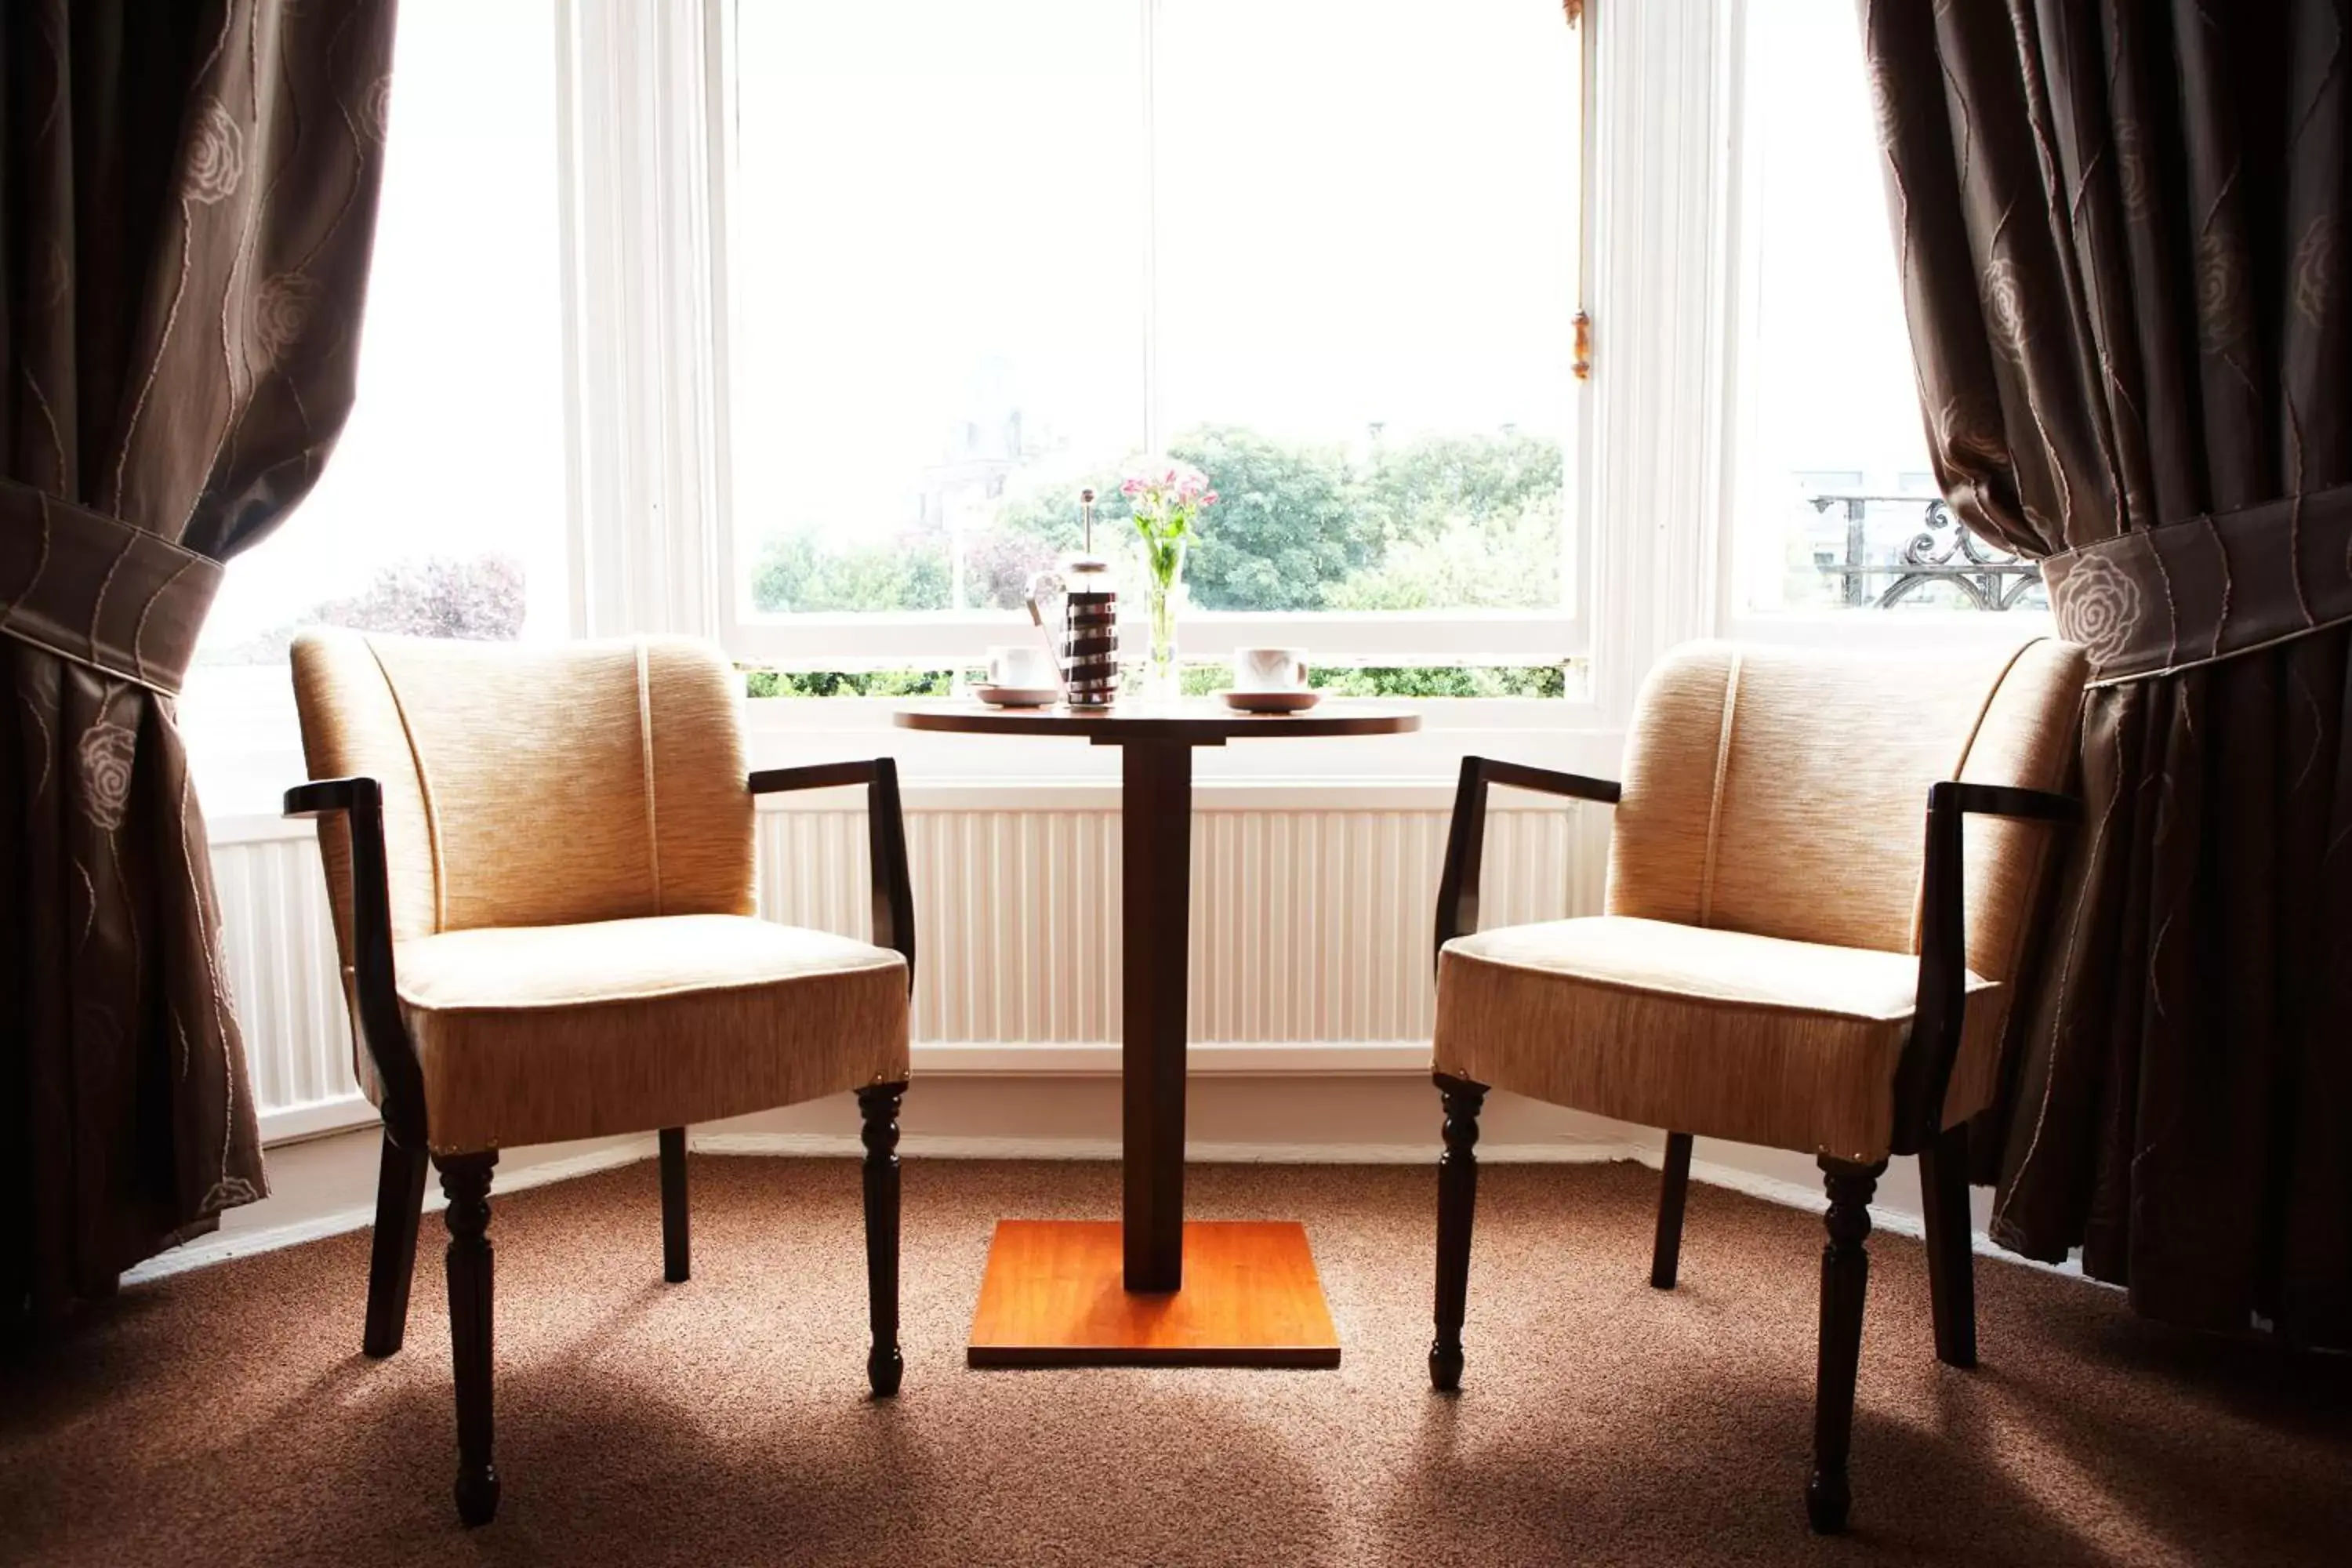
{"points": [[1053, 1297]]}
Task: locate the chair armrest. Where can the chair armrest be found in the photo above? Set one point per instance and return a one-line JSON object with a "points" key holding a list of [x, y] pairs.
{"points": [[383, 1032], [817, 775], [885, 838], [324, 798], [1923, 1077], [1457, 888], [2006, 800]]}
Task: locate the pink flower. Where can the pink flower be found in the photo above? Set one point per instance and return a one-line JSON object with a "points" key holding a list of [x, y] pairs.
{"points": [[1167, 492]]}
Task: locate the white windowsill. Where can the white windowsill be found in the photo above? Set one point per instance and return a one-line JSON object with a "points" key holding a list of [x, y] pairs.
{"points": [[1398, 637]]}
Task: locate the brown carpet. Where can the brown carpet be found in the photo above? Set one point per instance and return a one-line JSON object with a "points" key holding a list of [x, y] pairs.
{"points": [[226, 1415]]}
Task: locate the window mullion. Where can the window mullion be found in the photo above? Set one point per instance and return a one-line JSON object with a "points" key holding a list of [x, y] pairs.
{"points": [[644, 407], [1149, 20]]}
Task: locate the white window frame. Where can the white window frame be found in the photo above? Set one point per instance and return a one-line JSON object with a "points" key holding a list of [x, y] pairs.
{"points": [[925, 638], [647, 106], [644, 88]]}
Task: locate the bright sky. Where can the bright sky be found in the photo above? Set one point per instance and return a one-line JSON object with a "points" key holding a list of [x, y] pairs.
{"points": [[1826, 368], [1365, 211], [1833, 380], [455, 444]]}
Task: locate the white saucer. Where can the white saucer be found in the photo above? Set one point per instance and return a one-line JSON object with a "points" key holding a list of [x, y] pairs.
{"points": [[1272, 701], [1018, 696]]}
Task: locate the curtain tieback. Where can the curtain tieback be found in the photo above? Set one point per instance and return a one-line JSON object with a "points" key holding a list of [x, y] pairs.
{"points": [[99, 591], [2159, 600]]}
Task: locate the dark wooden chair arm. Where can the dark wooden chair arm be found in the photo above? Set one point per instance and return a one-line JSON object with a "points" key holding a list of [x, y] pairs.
{"points": [[2006, 800], [816, 775], [1923, 1077], [885, 838], [359, 801], [1457, 888]]}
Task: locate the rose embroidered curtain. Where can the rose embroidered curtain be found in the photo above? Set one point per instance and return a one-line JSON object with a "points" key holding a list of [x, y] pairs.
{"points": [[2121, 231], [187, 199]]}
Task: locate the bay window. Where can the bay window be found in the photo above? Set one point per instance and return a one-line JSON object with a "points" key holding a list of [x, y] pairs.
{"points": [[801, 326]]}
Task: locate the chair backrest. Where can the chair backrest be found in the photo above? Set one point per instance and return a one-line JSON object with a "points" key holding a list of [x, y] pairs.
{"points": [[533, 786], [1783, 791]]}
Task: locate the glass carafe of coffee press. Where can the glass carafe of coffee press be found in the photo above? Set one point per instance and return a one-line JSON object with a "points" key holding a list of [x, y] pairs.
{"points": [[1085, 629]]}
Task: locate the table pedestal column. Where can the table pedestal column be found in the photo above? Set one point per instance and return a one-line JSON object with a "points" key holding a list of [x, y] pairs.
{"points": [[1155, 911]]}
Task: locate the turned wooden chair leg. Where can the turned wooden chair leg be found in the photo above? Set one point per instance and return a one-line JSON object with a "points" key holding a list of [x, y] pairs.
{"points": [[1457, 1200], [1673, 1184], [1845, 1275], [1951, 1260], [877, 1110], [392, 1258], [673, 1185], [466, 1178]]}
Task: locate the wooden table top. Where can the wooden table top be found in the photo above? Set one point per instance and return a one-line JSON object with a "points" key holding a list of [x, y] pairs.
{"points": [[1202, 720]]}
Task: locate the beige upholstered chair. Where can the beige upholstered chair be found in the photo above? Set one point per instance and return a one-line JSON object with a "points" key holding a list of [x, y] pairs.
{"points": [[540, 863], [1785, 959]]}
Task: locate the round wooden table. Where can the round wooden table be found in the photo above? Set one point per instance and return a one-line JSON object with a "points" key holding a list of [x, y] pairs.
{"points": [[1253, 1297]]}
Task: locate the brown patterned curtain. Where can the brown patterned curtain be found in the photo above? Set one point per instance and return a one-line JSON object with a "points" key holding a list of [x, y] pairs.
{"points": [[2125, 261], [188, 197]]}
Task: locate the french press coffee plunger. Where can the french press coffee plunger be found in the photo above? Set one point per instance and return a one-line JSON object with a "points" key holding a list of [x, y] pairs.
{"points": [[1087, 644]]}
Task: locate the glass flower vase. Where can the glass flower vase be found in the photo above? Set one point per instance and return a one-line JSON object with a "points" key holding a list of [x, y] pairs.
{"points": [[1165, 594]]}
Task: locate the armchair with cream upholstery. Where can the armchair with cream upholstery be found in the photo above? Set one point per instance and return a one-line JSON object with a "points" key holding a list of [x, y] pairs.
{"points": [[541, 864], [1785, 959]]}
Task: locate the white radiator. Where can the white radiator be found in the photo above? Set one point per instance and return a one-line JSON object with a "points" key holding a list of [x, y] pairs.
{"points": [[1308, 925], [287, 982]]}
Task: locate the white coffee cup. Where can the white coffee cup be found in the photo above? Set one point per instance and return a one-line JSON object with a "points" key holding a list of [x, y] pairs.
{"points": [[1270, 669], [1023, 667]]}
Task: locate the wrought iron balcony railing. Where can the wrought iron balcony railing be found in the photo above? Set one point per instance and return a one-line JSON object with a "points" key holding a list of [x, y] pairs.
{"points": [[1943, 551]]}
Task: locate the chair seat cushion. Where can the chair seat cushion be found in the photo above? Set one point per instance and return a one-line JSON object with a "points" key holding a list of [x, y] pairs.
{"points": [[532, 1034], [1792, 1045]]}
